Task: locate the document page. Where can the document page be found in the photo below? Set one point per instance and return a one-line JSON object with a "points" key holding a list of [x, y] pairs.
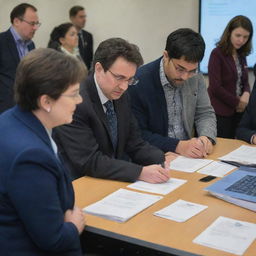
{"points": [[185, 164], [217, 169], [160, 188], [121, 205], [244, 155], [228, 235], [180, 210]]}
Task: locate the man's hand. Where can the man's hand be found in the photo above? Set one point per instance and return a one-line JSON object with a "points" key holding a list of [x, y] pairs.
{"points": [[169, 156], [154, 174], [207, 144], [195, 147]]}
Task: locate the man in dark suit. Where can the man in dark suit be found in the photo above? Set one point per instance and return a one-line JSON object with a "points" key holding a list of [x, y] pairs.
{"points": [[77, 16], [100, 139], [15, 43], [247, 127]]}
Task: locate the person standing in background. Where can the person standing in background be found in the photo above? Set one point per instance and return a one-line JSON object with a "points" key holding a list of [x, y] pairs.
{"points": [[77, 16], [64, 38], [15, 43], [229, 89]]}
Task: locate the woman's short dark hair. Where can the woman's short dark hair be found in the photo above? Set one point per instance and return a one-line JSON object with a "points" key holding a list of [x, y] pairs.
{"points": [[109, 50], [57, 33], [186, 43], [45, 71], [19, 11], [225, 42]]}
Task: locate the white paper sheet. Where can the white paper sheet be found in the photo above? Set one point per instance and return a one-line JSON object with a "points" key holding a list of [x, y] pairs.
{"points": [[121, 205], [217, 169], [244, 155], [160, 188], [228, 235], [186, 164], [180, 210]]}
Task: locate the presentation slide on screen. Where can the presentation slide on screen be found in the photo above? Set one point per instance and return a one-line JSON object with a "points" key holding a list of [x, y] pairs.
{"points": [[215, 15]]}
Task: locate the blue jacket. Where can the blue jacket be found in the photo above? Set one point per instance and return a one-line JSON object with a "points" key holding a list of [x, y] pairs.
{"points": [[149, 106], [247, 126], [35, 191], [9, 60]]}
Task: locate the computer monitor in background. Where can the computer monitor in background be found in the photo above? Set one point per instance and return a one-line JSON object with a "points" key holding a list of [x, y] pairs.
{"points": [[214, 15]]}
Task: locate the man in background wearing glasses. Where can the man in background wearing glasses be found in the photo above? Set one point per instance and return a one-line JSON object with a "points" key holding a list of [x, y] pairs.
{"points": [[171, 102], [15, 43], [104, 139]]}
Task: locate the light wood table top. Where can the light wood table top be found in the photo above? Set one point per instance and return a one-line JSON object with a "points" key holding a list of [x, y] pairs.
{"points": [[161, 234]]}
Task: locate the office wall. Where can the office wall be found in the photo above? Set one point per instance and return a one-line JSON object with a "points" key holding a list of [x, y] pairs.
{"points": [[143, 22]]}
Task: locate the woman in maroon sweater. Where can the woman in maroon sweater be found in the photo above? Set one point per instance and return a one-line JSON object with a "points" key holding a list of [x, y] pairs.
{"points": [[229, 89]]}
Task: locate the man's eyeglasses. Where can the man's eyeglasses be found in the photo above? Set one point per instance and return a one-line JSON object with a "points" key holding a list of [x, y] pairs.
{"points": [[120, 78], [32, 23], [182, 71]]}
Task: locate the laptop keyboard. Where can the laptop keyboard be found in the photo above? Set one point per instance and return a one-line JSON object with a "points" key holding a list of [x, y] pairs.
{"points": [[246, 185]]}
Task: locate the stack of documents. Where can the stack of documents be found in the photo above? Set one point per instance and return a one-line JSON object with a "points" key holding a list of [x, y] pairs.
{"points": [[159, 188], [243, 156], [185, 164], [217, 169], [180, 210], [121, 205], [238, 188], [228, 235]]}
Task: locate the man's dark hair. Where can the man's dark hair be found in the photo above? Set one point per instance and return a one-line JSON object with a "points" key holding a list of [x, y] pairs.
{"points": [[185, 43], [19, 11], [45, 71], [75, 9], [225, 42], [109, 50]]}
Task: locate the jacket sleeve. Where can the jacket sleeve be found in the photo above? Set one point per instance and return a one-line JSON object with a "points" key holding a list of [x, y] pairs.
{"points": [[139, 150], [87, 149], [33, 188], [216, 83], [205, 119], [146, 114], [247, 126]]}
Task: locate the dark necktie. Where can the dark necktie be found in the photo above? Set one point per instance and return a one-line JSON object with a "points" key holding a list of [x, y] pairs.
{"points": [[81, 41], [112, 121]]}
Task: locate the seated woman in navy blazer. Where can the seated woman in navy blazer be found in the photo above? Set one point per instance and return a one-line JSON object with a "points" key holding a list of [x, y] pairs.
{"points": [[37, 212]]}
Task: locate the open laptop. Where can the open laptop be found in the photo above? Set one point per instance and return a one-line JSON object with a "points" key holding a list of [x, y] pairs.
{"points": [[240, 184]]}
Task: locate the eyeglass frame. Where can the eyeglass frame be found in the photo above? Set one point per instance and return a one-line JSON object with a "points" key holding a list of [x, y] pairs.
{"points": [[73, 96], [183, 71], [131, 81], [32, 23]]}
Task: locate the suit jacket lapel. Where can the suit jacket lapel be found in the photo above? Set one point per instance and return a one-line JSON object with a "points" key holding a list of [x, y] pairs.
{"points": [[93, 94], [34, 124], [10, 42]]}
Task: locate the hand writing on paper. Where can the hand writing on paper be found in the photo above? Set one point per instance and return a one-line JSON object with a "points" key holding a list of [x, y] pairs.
{"points": [[154, 174]]}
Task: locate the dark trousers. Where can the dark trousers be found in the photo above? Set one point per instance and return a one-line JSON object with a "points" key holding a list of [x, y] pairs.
{"points": [[98, 245], [226, 125]]}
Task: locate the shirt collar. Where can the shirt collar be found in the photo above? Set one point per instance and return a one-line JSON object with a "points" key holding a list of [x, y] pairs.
{"points": [[163, 78], [102, 97], [17, 37]]}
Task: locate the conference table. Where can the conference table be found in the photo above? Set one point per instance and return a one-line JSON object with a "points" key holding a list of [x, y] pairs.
{"points": [[161, 234]]}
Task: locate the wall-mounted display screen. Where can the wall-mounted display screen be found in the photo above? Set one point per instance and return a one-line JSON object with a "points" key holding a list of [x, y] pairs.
{"points": [[215, 15]]}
